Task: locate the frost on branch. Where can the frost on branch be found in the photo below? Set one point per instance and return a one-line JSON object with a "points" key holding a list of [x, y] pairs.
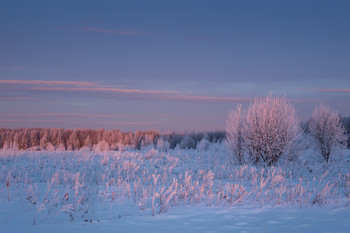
{"points": [[234, 139], [326, 131], [271, 130]]}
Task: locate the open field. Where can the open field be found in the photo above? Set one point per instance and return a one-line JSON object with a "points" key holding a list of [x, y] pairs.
{"points": [[186, 189]]}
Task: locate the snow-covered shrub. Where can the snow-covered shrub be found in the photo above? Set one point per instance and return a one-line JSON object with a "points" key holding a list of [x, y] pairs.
{"points": [[101, 146], [234, 138], [203, 145], [50, 147], [163, 145], [61, 147], [271, 129], [188, 142], [326, 131]]}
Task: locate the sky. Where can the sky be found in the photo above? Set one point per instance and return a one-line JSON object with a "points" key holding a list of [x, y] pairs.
{"points": [[167, 65]]}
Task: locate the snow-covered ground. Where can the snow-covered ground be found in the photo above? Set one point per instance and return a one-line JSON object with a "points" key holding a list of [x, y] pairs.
{"points": [[200, 219], [175, 191]]}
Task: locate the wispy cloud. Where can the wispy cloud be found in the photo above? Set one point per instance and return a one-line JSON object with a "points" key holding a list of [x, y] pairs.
{"points": [[116, 32], [17, 98], [99, 89], [64, 121], [144, 94], [307, 100], [208, 98], [334, 90], [41, 82], [132, 123], [87, 88], [53, 115], [31, 121]]}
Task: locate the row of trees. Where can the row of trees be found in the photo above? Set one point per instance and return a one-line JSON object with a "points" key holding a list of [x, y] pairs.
{"points": [[100, 140], [76, 139], [270, 129]]}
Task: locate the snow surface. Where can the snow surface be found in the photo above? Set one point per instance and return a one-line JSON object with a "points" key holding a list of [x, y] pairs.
{"points": [[202, 219], [186, 190]]}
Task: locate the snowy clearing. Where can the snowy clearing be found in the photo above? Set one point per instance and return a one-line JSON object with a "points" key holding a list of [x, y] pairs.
{"points": [[175, 191], [205, 219]]}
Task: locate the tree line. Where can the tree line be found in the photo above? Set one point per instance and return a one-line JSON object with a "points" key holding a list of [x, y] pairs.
{"points": [[101, 139]]}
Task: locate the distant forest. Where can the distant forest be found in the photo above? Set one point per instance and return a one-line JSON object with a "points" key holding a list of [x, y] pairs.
{"points": [[100, 139], [104, 140]]}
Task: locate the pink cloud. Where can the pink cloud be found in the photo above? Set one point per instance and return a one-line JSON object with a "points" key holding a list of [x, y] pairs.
{"points": [[99, 89], [117, 32], [54, 115], [62, 121], [17, 98], [154, 94], [89, 87], [306, 100], [32, 121], [41, 82], [209, 98], [132, 123], [334, 90]]}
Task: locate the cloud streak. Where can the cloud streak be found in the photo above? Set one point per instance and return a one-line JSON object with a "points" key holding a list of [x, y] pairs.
{"points": [[164, 95], [54, 115], [31, 121], [17, 99], [212, 99], [99, 89], [41, 82], [88, 88], [335, 90], [132, 123]]}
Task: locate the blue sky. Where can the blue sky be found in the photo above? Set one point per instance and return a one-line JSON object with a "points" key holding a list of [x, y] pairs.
{"points": [[167, 65]]}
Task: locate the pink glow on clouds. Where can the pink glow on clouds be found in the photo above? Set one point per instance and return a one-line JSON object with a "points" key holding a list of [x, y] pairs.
{"points": [[98, 89], [41, 82], [32, 121], [88, 87], [334, 90], [154, 94], [132, 123], [17, 98], [55, 115], [117, 32], [211, 98], [62, 121], [307, 101]]}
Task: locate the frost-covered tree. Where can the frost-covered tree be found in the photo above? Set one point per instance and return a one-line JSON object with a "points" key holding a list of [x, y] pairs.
{"points": [[326, 131], [44, 140], [163, 145], [234, 138], [188, 142], [74, 140], [101, 146], [203, 145], [271, 129]]}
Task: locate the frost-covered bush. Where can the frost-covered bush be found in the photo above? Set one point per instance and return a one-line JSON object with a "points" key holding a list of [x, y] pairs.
{"points": [[101, 146], [234, 138], [326, 131], [163, 145], [203, 145], [271, 129], [188, 143]]}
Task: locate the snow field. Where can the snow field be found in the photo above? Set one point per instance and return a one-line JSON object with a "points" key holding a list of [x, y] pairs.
{"points": [[45, 188]]}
